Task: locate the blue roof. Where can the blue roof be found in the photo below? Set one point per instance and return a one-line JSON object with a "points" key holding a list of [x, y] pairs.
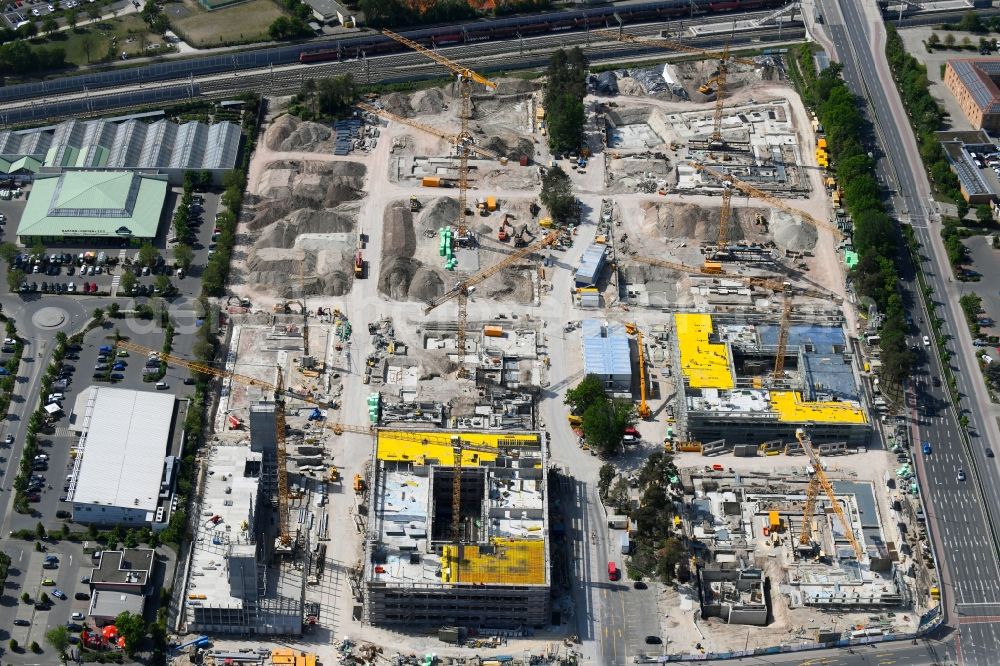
{"points": [[605, 349], [591, 265]]}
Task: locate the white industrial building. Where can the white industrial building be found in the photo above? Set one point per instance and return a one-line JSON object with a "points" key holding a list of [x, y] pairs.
{"points": [[607, 354], [122, 474]]}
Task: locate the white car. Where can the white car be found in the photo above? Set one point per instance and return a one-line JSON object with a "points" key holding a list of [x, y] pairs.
{"points": [[35, 12], [927, 341], [76, 616]]}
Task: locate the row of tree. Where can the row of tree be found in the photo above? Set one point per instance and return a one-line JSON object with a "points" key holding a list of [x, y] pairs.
{"points": [[565, 88], [390, 13], [19, 59], [325, 99], [876, 236]]}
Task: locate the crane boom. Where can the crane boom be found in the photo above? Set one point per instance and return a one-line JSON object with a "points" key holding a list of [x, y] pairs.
{"points": [[724, 220], [282, 462], [458, 69], [453, 138], [622, 36], [786, 320], [643, 410], [750, 190], [720, 95], [820, 477], [464, 286]]}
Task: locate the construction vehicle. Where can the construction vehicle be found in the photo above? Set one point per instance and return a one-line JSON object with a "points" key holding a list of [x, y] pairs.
{"points": [[359, 265], [359, 485], [756, 193], [414, 204], [461, 291], [522, 235], [820, 480], [234, 422], [466, 77], [643, 410], [502, 234]]}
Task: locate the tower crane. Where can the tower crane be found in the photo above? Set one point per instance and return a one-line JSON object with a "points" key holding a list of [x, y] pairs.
{"points": [[643, 410], [461, 291], [756, 193], [818, 481], [786, 320], [466, 77], [453, 138]]}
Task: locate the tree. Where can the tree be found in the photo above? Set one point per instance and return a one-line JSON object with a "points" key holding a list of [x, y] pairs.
{"points": [[43, 598], [71, 18], [949, 40], [618, 496], [385, 13], [49, 24], [14, 279], [163, 285], [93, 11], [984, 213], [8, 252], [27, 30], [565, 123], [133, 629], [128, 281], [98, 314], [183, 255], [971, 23], [148, 255], [12, 645], [35, 647], [336, 95], [113, 311], [933, 41], [557, 196], [668, 558], [605, 477], [565, 87], [58, 638], [87, 40], [966, 42], [25, 598], [40, 530]]}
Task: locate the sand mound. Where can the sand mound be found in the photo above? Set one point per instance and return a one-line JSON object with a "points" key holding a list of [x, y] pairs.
{"points": [[282, 234], [428, 101], [791, 233], [440, 212], [396, 103], [426, 284], [288, 133], [404, 278], [398, 238], [630, 87], [326, 272]]}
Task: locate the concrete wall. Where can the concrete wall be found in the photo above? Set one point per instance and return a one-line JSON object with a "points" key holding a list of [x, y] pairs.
{"points": [[102, 514]]}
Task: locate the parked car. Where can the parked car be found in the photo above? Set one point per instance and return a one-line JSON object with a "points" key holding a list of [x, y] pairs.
{"points": [[22, 623], [81, 596], [48, 582], [58, 594]]}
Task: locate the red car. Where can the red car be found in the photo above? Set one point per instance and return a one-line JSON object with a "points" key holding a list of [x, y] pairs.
{"points": [[613, 572], [33, 497]]}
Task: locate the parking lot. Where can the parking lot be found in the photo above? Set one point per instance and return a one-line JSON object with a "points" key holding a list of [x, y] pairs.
{"points": [[97, 269], [17, 11]]}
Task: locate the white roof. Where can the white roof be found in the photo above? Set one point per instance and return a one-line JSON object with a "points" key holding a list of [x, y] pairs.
{"points": [[123, 446]]}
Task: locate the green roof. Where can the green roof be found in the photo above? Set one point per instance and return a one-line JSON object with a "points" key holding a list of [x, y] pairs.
{"points": [[27, 163], [94, 203]]}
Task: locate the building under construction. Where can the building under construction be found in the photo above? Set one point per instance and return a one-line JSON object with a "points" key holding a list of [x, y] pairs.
{"points": [[728, 393], [486, 566]]}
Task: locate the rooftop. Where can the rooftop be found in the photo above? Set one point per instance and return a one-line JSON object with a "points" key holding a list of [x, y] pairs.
{"points": [[507, 542], [124, 439], [591, 264], [111, 603], [435, 446], [704, 364], [606, 349], [131, 566], [979, 76], [94, 203], [230, 492], [792, 408]]}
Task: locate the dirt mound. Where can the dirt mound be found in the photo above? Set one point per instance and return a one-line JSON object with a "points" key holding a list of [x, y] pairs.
{"points": [[282, 233], [405, 278], [428, 101], [630, 87], [440, 212], [396, 103], [289, 133], [791, 233], [681, 220], [515, 87], [280, 130], [398, 237], [510, 149], [427, 284], [326, 272]]}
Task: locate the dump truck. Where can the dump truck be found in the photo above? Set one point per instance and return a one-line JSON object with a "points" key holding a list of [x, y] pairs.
{"points": [[414, 204], [491, 203], [359, 265]]}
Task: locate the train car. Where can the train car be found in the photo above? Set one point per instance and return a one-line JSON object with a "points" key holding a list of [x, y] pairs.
{"points": [[321, 55]]}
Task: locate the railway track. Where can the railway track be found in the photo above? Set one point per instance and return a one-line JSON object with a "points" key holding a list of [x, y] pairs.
{"points": [[489, 57]]}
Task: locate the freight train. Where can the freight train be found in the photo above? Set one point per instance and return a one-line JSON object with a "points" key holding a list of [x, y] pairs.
{"points": [[532, 25]]}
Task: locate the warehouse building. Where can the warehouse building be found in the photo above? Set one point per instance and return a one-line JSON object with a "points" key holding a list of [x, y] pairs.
{"points": [[591, 265], [727, 390], [607, 354], [146, 142], [93, 206], [973, 82], [123, 473], [490, 567]]}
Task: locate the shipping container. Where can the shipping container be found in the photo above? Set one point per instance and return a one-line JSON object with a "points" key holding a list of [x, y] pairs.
{"points": [[626, 544], [431, 181], [493, 331]]}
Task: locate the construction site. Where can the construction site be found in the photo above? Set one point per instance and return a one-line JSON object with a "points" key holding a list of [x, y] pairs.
{"points": [[405, 321]]}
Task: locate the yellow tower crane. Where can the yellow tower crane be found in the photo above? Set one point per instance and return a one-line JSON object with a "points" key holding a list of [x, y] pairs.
{"points": [[643, 409], [819, 480], [461, 291], [466, 77]]}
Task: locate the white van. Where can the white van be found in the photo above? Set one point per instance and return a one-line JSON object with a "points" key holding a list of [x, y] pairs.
{"points": [[162, 386]]}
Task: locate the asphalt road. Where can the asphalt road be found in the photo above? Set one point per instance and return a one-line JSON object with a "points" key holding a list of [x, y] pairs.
{"points": [[958, 520]]}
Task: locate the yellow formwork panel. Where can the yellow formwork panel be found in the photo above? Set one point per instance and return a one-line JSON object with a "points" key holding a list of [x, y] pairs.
{"points": [[407, 446], [704, 364], [791, 408], [512, 562]]}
